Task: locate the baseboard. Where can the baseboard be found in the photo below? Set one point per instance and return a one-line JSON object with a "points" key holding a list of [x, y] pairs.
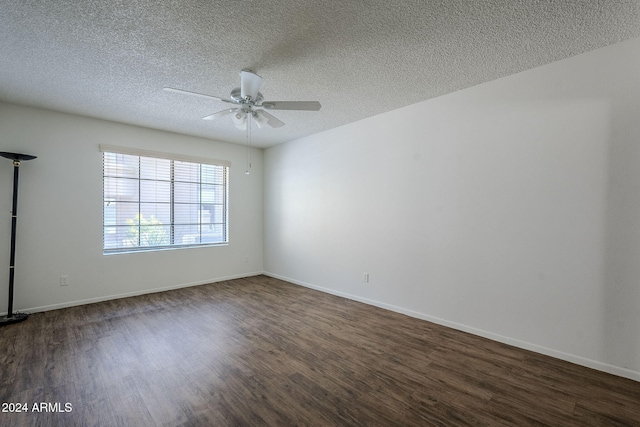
{"points": [[578, 360], [132, 294]]}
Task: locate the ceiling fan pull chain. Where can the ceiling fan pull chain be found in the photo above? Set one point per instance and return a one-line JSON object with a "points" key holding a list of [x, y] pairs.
{"points": [[249, 119]]}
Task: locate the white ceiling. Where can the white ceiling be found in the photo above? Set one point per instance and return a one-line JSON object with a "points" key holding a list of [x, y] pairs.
{"points": [[110, 59]]}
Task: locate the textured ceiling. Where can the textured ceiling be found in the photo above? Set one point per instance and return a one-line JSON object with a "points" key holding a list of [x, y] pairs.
{"points": [[111, 59]]}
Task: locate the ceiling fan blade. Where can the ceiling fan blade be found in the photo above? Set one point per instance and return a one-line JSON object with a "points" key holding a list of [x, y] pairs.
{"points": [[249, 84], [263, 118], [291, 105], [220, 114], [201, 95]]}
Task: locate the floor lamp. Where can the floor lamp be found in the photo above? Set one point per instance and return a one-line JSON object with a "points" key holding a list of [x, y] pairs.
{"points": [[12, 317]]}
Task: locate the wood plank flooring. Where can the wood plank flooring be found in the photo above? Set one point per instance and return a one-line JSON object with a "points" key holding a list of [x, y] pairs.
{"points": [[260, 351]]}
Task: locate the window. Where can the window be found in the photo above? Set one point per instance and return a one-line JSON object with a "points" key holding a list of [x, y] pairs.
{"points": [[157, 201]]}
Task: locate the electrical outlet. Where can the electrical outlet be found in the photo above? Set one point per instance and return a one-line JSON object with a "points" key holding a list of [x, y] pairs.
{"points": [[64, 280], [365, 278]]}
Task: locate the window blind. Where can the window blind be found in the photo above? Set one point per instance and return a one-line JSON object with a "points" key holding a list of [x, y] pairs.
{"points": [[157, 201]]}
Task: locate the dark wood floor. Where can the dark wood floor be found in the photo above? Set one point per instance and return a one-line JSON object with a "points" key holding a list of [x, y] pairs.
{"points": [[259, 351]]}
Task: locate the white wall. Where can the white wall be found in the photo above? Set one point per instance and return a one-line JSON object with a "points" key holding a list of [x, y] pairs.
{"points": [[60, 213], [510, 210]]}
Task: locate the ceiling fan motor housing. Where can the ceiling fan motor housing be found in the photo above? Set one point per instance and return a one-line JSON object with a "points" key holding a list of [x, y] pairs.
{"points": [[236, 95]]}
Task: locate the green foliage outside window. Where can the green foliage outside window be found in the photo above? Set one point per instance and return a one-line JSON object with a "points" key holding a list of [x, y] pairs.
{"points": [[146, 231]]}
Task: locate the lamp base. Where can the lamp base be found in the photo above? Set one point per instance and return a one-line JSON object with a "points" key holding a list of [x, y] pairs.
{"points": [[15, 318]]}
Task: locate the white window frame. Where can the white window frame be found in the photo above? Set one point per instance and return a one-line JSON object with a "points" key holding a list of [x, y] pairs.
{"points": [[114, 227]]}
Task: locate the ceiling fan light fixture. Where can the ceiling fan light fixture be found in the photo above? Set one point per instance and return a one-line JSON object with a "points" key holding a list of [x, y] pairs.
{"points": [[239, 119]]}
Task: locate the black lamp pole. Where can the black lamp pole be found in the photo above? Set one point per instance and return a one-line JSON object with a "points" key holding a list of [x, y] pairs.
{"points": [[12, 317]]}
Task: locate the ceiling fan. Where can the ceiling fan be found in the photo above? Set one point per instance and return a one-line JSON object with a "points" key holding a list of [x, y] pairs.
{"points": [[249, 103]]}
